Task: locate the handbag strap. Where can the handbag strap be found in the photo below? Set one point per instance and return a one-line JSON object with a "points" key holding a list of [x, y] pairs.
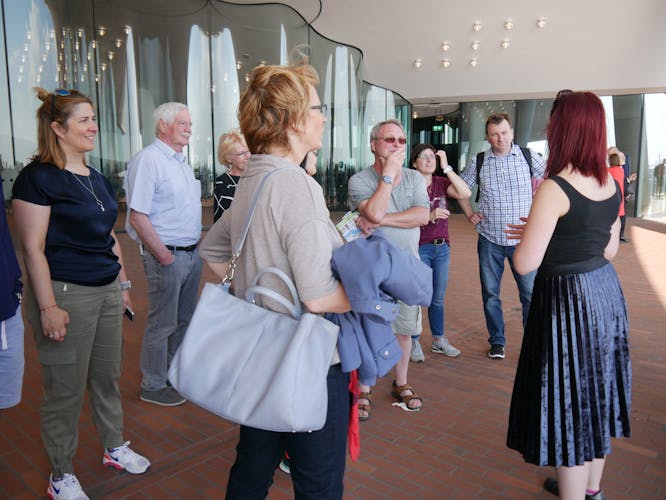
{"points": [[293, 307], [246, 228]]}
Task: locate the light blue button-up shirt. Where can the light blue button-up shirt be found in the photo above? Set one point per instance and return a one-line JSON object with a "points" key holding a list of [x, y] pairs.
{"points": [[161, 185]]}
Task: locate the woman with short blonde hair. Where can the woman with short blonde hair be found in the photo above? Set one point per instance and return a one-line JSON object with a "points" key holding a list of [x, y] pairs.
{"points": [[232, 152]]}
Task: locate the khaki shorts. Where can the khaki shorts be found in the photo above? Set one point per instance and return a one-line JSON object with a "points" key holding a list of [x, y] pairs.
{"points": [[408, 321]]}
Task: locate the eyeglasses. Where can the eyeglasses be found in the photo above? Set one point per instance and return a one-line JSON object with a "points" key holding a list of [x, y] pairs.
{"points": [[242, 153], [321, 107], [391, 140], [424, 156], [57, 92]]}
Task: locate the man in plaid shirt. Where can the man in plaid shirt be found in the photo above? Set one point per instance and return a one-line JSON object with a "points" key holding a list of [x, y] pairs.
{"points": [[505, 186]]}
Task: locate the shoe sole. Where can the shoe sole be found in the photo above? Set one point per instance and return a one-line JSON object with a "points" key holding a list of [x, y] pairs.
{"points": [[496, 356], [160, 403]]}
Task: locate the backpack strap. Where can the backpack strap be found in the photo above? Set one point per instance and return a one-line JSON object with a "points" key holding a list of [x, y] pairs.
{"points": [[480, 157]]}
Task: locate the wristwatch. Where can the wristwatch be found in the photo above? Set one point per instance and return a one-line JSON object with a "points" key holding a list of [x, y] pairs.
{"points": [[447, 169], [125, 285], [387, 179]]}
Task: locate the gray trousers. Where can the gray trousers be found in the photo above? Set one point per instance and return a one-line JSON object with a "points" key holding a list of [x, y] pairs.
{"points": [[90, 357], [172, 296]]}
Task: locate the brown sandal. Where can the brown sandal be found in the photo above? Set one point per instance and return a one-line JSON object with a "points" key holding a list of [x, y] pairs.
{"points": [[397, 393], [364, 407]]}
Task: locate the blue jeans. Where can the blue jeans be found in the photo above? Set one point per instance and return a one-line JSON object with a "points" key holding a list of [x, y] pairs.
{"points": [[172, 297], [437, 257], [317, 459], [491, 268]]}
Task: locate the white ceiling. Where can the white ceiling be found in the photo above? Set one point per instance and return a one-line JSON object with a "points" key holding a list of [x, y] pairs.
{"points": [[615, 47]]}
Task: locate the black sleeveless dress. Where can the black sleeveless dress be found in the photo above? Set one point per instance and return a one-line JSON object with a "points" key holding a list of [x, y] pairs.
{"points": [[572, 391]]}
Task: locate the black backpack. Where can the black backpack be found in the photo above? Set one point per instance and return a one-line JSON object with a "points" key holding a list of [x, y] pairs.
{"points": [[479, 163]]}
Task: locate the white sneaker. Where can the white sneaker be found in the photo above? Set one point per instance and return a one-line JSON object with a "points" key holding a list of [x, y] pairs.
{"points": [[443, 347], [123, 458], [66, 488], [417, 353]]}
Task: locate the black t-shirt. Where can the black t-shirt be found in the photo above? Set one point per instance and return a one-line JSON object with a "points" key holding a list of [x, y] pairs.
{"points": [[79, 245], [582, 234]]}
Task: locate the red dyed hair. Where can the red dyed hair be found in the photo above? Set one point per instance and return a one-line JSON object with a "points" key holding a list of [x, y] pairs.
{"points": [[577, 135]]}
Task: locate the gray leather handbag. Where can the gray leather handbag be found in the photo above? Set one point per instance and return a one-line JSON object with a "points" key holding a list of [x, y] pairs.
{"points": [[251, 365]]}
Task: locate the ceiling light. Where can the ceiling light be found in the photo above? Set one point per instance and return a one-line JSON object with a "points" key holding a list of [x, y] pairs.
{"points": [[446, 63], [101, 30], [418, 63], [118, 43], [475, 45], [505, 44], [477, 26], [415, 115], [473, 62], [541, 22], [508, 24], [110, 54], [239, 65], [446, 46]]}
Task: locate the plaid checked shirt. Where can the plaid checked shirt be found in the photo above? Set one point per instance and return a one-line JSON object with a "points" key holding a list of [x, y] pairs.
{"points": [[506, 191]]}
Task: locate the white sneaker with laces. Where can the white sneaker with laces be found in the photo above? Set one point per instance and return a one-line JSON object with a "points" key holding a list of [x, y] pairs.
{"points": [[65, 488], [123, 458], [417, 353]]}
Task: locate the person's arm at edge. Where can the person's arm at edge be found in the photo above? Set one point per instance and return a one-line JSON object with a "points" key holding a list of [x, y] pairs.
{"points": [[122, 275]]}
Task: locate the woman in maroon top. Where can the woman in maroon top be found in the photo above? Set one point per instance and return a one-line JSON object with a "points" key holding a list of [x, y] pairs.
{"points": [[434, 243]]}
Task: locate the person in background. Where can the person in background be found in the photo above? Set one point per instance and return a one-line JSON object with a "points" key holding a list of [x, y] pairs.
{"points": [[572, 390], [12, 360], [394, 198], [232, 152], [282, 119], [164, 204], [434, 242], [505, 183], [619, 159], [77, 287]]}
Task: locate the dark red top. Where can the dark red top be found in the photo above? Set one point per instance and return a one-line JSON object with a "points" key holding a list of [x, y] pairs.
{"points": [[437, 195]]}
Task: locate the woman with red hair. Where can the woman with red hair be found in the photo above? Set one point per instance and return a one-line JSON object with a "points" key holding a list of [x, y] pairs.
{"points": [[572, 391]]}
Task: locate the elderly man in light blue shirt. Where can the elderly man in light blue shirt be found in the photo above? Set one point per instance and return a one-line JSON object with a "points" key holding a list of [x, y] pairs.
{"points": [[164, 203]]}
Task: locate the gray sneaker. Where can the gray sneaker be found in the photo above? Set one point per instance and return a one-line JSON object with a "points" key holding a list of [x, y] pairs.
{"points": [[417, 353], [443, 347], [163, 397]]}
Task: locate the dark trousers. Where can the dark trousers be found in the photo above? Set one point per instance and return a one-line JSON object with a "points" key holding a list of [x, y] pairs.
{"points": [[317, 458]]}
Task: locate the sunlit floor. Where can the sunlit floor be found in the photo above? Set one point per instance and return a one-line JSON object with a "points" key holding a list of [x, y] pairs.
{"points": [[453, 448]]}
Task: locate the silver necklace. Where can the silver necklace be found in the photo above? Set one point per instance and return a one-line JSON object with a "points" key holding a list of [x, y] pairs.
{"points": [[90, 189]]}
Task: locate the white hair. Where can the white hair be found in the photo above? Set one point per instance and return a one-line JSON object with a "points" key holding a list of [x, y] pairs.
{"points": [[167, 113]]}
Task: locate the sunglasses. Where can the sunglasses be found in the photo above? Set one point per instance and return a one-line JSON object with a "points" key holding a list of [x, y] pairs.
{"points": [[321, 107], [392, 140], [426, 156], [56, 93]]}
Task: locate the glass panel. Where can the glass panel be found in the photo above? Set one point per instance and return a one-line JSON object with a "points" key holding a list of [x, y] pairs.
{"points": [[653, 178], [8, 172]]}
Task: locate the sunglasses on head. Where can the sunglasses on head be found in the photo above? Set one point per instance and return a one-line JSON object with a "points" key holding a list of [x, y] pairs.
{"points": [[57, 92], [391, 140]]}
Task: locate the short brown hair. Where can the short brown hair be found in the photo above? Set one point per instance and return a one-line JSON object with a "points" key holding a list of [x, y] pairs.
{"points": [[226, 144], [56, 107], [497, 118], [276, 98], [614, 159]]}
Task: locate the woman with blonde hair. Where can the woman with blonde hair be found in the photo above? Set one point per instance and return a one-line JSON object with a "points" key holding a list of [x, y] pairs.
{"points": [[282, 120], [232, 152], [77, 287]]}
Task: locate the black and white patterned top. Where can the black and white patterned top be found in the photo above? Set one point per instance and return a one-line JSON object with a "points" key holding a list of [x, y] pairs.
{"points": [[223, 193]]}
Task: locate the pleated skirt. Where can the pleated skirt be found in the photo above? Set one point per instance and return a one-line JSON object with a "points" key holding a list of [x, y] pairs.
{"points": [[572, 391]]}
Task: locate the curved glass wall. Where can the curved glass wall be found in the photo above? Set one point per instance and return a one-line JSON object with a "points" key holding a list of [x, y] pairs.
{"points": [[130, 56]]}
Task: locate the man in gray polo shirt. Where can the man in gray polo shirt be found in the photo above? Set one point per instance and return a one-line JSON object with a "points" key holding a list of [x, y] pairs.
{"points": [[395, 199], [164, 203]]}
